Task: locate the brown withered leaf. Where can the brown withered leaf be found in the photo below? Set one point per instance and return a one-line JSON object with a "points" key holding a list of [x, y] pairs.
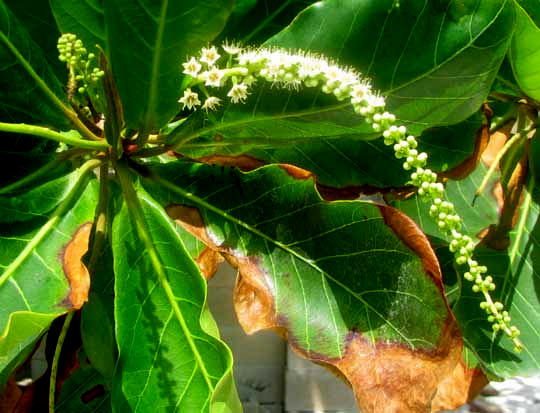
{"points": [[248, 163], [386, 377], [74, 269], [408, 231], [460, 387], [208, 262], [242, 162]]}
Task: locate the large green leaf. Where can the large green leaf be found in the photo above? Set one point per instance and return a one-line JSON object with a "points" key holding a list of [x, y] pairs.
{"points": [[148, 41], [435, 60], [37, 18], [334, 275], [38, 201], [254, 21], [19, 93], [34, 286], [19, 338], [169, 360], [532, 7], [84, 18], [347, 161], [275, 117], [525, 49]]}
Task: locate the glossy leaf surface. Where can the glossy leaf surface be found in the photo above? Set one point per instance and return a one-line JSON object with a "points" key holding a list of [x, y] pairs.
{"points": [[160, 35], [334, 275], [168, 358], [524, 52], [19, 94], [38, 201], [83, 18], [462, 45], [345, 161], [36, 258], [38, 20]]}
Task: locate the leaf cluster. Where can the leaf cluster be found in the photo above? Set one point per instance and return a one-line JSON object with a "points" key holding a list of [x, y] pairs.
{"points": [[117, 204]]}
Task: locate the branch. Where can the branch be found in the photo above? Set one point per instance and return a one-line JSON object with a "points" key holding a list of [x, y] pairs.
{"points": [[47, 133]]}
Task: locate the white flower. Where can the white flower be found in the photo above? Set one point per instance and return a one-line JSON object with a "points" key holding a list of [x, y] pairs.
{"points": [[311, 67], [253, 57], [335, 76], [213, 77], [209, 56], [360, 93], [376, 102], [231, 48], [211, 103], [238, 93], [190, 99], [192, 67]]}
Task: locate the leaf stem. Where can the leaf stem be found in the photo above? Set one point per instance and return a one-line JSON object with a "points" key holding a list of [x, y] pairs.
{"points": [[47, 133], [49, 225], [56, 358], [70, 114], [137, 214]]}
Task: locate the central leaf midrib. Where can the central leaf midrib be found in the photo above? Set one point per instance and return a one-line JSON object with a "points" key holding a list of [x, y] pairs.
{"points": [[133, 204], [152, 98]]}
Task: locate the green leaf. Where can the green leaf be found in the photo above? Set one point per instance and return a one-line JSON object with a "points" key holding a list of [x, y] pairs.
{"points": [[37, 18], [19, 95], [37, 202], [33, 285], [148, 41], [168, 360], [532, 7], [253, 21], [83, 18], [515, 274], [18, 339], [275, 117], [525, 48], [346, 161], [435, 60], [334, 275]]}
